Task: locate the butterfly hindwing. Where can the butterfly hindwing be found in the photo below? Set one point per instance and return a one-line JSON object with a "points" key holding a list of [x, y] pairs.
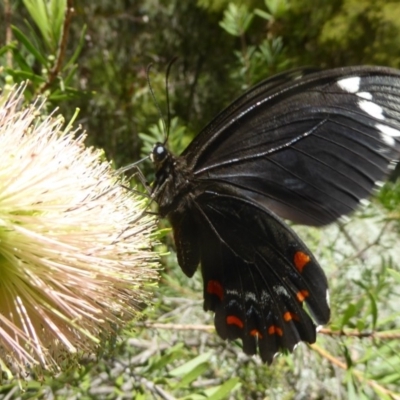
{"points": [[257, 275], [186, 241]]}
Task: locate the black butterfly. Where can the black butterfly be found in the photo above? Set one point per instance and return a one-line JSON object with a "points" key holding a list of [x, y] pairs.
{"points": [[304, 145]]}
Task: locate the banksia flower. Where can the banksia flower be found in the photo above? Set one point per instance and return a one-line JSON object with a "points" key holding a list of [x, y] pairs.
{"points": [[75, 255]]}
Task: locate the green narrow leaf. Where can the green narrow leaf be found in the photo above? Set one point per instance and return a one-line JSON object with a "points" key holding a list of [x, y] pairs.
{"points": [[6, 48], [190, 365], [38, 11], [360, 325], [28, 45], [78, 48], [347, 357], [221, 392], [384, 396], [390, 378], [374, 309], [33, 34], [351, 390], [171, 355], [23, 75], [139, 396], [58, 10], [70, 75], [68, 93], [263, 14], [187, 379], [348, 314], [395, 274], [20, 60]]}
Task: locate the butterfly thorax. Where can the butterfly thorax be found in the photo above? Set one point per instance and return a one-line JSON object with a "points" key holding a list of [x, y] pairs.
{"points": [[172, 183]]}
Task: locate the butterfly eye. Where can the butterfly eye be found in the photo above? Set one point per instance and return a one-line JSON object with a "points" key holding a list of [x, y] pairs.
{"points": [[159, 153]]}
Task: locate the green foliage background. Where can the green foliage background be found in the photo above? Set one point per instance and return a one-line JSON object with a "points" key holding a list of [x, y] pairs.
{"points": [[223, 48]]}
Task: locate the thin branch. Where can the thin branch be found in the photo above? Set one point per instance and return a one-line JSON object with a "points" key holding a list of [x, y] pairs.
{"points": [[62, 46], [177, 327], [156, 389], [324, 331], [358, 374], [332, 359], [361, 335], [7, 20], [360, 252], [353, 244]]}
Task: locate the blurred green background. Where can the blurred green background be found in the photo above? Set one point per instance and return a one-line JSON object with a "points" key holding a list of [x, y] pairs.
{"points": [[95, 59]]}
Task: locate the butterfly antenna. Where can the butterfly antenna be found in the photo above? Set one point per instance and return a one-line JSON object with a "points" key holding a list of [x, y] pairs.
{"points": [[155, 100], [171, 63]]}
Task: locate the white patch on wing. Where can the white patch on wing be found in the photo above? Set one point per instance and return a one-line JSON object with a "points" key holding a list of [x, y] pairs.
{"points": [[387, 130], [365, 202], [365, 95], [350, 85], [379, 184], [265, 296], [388, 140], [344, 219], [281, 290], [250, 296], [374, 110], [388, 133]]}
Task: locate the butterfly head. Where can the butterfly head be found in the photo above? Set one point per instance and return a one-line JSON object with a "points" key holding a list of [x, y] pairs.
{"points": [[159, 154]]}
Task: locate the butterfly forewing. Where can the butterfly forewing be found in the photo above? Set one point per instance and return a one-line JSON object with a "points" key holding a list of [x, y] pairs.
{"points": [[305, 146], [314, 148], [241, 105]]}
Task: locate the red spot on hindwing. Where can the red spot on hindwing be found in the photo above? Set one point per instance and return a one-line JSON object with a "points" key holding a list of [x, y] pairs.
{"points": [[288, 316], [214, 287], [275, 330], [301, 260], [233, 320], [256, 333], [302, 295]]}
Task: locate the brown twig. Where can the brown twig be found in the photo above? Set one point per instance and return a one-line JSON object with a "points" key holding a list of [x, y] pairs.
{"points": [[156, 389], [177, 327], [7, 20], [350, 240], [361, 335], [53, 74], [360, 252], [332, 359], [358, 374], [324, 331]]}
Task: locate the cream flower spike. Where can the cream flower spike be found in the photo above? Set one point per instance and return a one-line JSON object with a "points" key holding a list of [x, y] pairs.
{"points": [[75, 246]]}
